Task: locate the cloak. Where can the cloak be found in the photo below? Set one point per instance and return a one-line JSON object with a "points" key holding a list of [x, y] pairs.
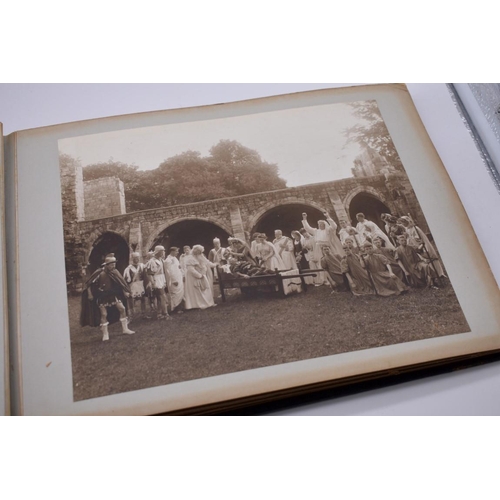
{"points": [[90, 314]]}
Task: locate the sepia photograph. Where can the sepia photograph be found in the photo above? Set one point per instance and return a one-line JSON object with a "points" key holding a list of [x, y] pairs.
{"points": [[207, 247]]}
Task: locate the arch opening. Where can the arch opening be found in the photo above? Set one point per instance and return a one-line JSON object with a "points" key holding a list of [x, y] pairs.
{"points": [[287, 218], [105, 244], [191, 232], [369, 205]]}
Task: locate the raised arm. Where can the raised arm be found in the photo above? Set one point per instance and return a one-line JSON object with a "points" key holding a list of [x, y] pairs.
{"points": [[331, 222], [308, 228]]}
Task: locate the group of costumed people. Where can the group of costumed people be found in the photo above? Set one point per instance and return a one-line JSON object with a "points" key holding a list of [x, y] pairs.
{"points": [[160, 287], [363, 260]]}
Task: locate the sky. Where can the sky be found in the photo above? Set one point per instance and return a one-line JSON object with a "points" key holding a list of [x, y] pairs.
{"points": [[308, 144]]}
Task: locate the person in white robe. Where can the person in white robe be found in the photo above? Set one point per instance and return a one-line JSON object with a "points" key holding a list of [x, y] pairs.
{"points": [[367, 230], [240, 250], [198, 291], [347, 231], [174, 278], [325, 235], [215, 255], [186, 253], [311, 256], [253, 245], [268, 255], [284, 247]]}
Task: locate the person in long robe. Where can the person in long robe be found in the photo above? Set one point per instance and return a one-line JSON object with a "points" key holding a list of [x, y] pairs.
{"points": [[253, 246], [198, 292], [324, 235], [311, 256], [351, 244], [418, 273], [186, 249], [148, 285], [104, 299], [300, 254], [268, 255], [416, 237], [240, 249], [174, 278], [393, 228], [216, 255], [284, 247], [368, 229], [331, 264], [299, 251], [135, 276], [347, 231], [389, 255], [353, 266], [385, 281]]}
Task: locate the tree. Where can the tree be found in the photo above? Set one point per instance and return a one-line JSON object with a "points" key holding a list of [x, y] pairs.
{"points": [[241, 170], [231, 169], [184, 178], [372, 133]]}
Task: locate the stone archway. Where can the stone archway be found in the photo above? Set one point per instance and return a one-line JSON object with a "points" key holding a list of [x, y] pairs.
{"points": [[286, 217], [188, 231], [108, 242]]}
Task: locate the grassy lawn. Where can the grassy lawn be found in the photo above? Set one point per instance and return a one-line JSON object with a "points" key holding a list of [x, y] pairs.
{"points": [[252, 332]]}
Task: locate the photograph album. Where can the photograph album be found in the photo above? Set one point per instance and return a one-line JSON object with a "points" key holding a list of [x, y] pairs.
{"points": [[205, 259]]}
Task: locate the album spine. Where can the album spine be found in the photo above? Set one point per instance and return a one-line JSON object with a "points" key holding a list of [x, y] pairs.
{"points": [[12, 269], [5, 409]]}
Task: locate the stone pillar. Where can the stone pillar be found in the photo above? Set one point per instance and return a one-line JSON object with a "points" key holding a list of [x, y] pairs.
{"points": [[73, 212], [237, 223], [135, 237], [337, 204], [104, 197]]}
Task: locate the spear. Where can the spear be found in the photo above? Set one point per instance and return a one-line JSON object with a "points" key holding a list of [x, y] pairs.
{"points": [[432, 264], [366, 266]]}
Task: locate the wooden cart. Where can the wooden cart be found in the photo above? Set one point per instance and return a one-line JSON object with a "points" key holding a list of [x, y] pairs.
{"points": [[265, 283]]}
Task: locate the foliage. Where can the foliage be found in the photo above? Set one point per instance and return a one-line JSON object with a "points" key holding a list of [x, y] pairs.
{"points": [[230, 169], [372, 133]]}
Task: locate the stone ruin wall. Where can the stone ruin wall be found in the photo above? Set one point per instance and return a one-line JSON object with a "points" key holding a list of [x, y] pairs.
{"points": [[72, 197], [104, 197], [93, 208]]}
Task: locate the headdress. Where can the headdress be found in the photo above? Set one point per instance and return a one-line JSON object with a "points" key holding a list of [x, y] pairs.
{"points": [[197, 249], [158, 249]]}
